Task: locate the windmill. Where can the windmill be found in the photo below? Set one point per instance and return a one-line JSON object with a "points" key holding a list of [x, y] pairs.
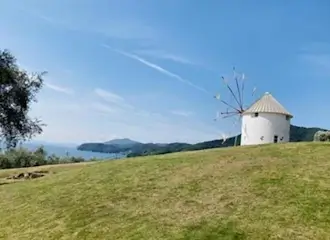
{"points": [[236, 93]]}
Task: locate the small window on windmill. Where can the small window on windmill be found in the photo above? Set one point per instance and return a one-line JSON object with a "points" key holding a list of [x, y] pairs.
{"points": [[287, 117], [255, 114]]}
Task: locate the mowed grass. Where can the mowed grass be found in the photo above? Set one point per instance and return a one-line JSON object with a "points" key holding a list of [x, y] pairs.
{"points": [[262, 192]]}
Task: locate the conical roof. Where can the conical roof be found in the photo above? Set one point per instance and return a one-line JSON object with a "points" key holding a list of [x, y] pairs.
{"points": [[267, 104]]}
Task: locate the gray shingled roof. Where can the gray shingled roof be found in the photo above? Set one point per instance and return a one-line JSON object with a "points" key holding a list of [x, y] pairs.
{"points": [[267, 104]]}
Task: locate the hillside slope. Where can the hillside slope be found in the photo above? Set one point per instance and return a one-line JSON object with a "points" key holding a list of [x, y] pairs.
{"points": [[259, 192]]}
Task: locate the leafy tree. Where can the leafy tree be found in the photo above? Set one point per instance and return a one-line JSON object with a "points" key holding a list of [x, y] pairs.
{"points": [[41, 151], [18, 90]]}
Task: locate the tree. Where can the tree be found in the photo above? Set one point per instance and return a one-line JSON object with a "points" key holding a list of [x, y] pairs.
{"points": [[18, 91]]}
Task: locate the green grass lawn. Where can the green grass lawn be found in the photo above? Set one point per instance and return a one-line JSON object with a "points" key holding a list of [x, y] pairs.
{"points": [[268, 192]]}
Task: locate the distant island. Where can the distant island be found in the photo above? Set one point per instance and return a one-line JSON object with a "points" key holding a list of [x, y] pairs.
{"points": [[123, 142], [133, 148]]}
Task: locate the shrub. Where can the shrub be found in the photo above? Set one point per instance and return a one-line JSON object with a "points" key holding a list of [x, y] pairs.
{"points": [[21, 158], [322, 136]]}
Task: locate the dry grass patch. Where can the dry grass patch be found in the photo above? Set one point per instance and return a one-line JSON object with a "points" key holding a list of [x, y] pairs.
{"points": [[56, 167], [51, 169]]}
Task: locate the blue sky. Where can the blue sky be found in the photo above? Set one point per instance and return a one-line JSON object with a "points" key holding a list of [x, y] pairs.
{"points": [[148, 70]]}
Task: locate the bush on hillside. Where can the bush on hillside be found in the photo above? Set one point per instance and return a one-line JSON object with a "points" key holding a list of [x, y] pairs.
{"points": [[21, 158], [322, 136]]}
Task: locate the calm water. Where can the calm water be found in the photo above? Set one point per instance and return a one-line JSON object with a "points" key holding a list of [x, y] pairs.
{"points": [[62, 151]]}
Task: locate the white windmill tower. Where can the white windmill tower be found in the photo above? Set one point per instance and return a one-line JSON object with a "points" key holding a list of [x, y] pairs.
{"points": [[265, 121]]}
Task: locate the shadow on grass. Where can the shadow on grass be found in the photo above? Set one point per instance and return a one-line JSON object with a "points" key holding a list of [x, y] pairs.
{"points": [[213, 231], [5, 183]]}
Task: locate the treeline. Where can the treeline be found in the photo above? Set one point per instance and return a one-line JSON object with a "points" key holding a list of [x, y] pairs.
{"points": [[297, 134], [21, 158], [154, 149], [144, 149]]}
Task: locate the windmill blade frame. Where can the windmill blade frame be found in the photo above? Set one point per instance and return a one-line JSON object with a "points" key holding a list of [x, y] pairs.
{"points": [[237, 93]]}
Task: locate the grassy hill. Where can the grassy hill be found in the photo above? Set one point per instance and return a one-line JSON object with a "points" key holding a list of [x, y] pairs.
{"points": [[255, 192]]}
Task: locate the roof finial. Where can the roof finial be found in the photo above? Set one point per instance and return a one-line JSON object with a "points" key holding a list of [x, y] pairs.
{"points": [[267, 93]]}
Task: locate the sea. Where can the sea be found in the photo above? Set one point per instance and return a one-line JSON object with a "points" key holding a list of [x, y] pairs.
{"points": [[71, 151]]}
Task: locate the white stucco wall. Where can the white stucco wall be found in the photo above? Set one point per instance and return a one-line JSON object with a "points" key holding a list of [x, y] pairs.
{"points": [[266, 125]]}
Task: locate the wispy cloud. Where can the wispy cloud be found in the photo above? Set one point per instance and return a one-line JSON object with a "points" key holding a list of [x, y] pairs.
{"points": [[182, 113], [55, 22], [316, 47], [320, 60], [316, 64], [59, 88], [127, 30], [47, 19], [101, 120], [109, 96], [119, 108], [103, 108], [48, 84], [112, 98], [316, 57], [161, 54], [157, 68]]}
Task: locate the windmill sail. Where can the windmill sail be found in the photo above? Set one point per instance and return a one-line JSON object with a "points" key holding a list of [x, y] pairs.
{"points": [[236, 92]]}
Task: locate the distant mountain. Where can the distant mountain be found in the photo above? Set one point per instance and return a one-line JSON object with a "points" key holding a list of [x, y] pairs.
{"points": [[297, 134], [303, 134], [122, 142], [103, 148]]}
